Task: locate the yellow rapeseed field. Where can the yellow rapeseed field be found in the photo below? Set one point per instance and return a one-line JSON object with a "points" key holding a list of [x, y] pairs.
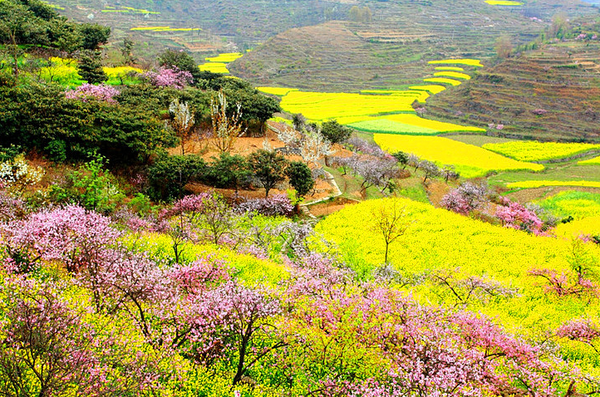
{"points": [[120, 71], [455, 68], [215, 67], [225, 57], [594, 161], [432, 88], [576, 228], [442, 80], [462, 61], [439, 126], [352, 107], [456, 75], [439, 240], [471, 161], [537, 151], [279, 91], [504, 3]]}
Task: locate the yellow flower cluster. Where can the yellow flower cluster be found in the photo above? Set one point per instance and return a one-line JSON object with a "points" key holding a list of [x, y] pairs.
{"points": [[471, 161], [324, 106], [279, 91], [537, 151], [62, 71], [164, 29], [594, 161], [456, 75], [442, 80], [576, 228], [504, 3], [462, 61]]}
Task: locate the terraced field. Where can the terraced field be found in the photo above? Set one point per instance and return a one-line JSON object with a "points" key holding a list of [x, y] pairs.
{"points": [[552, 93], [390, 52]]}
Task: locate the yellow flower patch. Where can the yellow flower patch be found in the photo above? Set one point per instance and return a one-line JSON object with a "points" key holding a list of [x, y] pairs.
{"points": [[462, 61], [538, 151], [471, 161], [442, 80], [456, 75]]}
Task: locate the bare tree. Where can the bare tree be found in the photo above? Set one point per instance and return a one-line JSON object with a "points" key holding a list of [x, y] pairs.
{"points": [[227, 128], [182, 122], [391, 220]]}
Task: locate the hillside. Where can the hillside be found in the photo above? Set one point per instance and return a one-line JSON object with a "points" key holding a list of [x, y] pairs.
{"points": [[217, 25], [389, 52], [550, 93]]}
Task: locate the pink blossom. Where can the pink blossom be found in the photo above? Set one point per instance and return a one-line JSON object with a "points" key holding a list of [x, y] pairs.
{"points": [[87, 91], [166, 77]]}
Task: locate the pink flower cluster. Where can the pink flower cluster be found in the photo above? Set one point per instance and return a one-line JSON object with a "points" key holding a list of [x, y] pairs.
{"points": [[278, 204], [166, 77], [516, 216], [87, 91], [580, 330]]}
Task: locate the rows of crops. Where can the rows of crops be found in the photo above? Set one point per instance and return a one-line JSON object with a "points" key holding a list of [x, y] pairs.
{"points": [[219, 63]]}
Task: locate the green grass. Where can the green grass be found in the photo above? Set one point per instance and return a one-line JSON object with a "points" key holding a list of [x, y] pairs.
{"points": [[392, 127], [477, 140], [572, 203], [568, 172]]}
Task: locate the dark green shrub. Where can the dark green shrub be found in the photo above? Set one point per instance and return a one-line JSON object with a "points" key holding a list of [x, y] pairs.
{"points": [[300, 177], [228, 171], [335, 132], [168, 175], [268, 167]]}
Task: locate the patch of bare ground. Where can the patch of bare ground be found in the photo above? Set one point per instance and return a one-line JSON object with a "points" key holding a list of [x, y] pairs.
{"points": [[244, 146], [528, 195], [328, 207], [436, 190]]}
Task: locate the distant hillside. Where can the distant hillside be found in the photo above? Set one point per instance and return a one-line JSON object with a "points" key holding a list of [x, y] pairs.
{"points": [[550, 93], [244, 23], [390, 51]]}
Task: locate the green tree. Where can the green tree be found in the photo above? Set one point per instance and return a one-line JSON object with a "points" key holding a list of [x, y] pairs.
{"points": [[127, 51], [300, 177], [228, 171], [180, 60], [169, 175], [402, 158], [335, 132], [18, 25], [93, 35], [90, 67], [268, 167]]}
